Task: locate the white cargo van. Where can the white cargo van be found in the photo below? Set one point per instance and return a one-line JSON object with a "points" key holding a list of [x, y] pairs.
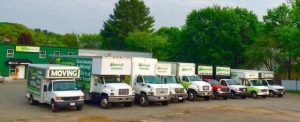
{"points": [[148, 86], [54, 85], [250, 79], [193, 83], [267, 80], [178, 92]]}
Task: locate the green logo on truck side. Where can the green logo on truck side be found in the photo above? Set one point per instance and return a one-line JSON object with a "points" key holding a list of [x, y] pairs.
{"points": [[116, 66], [144, 66], [35, 77]]}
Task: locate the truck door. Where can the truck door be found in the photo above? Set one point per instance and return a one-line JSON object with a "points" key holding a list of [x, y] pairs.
{"points": [[48, 93], [223, 83], [99, 85], [139, 84]]}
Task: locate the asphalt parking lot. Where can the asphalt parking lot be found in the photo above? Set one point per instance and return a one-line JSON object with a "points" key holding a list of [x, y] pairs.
{"points": [[14, 107]]}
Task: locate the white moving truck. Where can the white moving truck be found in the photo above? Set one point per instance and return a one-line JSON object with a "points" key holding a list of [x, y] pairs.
{"points": [[193, 84], [102, 78], [148, 86], [250, 79], [267, 80], [54, 85], [178, 92]]}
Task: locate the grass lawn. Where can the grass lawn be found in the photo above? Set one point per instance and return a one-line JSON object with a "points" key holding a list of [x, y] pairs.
{"points": [[293, 91]]}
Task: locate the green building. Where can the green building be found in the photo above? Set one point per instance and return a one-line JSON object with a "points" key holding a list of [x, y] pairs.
{"points": [[14, 59]]}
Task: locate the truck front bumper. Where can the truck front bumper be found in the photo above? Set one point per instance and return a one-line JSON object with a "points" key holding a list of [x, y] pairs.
{"points": [[223, 94], [61, 104], [204, 93], [178, 96], [159, 98], [116, 99], [280, 92], [263, 93], [239, 93]]}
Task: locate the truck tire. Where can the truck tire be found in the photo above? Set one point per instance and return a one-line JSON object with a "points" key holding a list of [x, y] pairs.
{"points": [[233, 94], [271, 93], [225, 98], [79, 108], [128, 104], [165, 102], [244, 97], [104, 102], [214, 96], [181, 101], [31, 101], [143, 100], [192, 95], [53, 106], [264, 96], [280, 95], [207, 98], [253, 94]]}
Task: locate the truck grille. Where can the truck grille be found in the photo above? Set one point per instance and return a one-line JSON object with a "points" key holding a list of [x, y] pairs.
{"points": [[206, 88], [225, 89], [123, 91], [161, 91], [264, 90], [243, 89], [179, 90], [69, 98]]}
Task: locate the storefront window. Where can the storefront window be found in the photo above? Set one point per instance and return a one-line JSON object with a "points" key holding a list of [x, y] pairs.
{"points": [[42, 54], [56, 52], [70, 53], [10, 53], [12, 69]]}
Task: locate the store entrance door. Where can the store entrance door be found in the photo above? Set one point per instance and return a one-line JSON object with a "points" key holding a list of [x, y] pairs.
{"points": [[21, 71]]}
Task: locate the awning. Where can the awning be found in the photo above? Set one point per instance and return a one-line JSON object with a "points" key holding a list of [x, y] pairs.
{"points": [[17, 61]]}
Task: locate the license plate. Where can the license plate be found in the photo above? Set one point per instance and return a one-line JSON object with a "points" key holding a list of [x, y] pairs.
{"points": [[72, 104], [180, 98], [162, 98]]}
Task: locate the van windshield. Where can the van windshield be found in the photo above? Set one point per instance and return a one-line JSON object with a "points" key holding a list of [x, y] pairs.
{"points": [[194, 78], [233, 82], [152, 79], [256, 82], [112, 80], [169, 79], [213, 82], [64, 85], [271, 83]]}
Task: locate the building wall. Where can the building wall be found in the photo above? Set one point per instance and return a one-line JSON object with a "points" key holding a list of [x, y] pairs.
{"points": [[32, 56]]}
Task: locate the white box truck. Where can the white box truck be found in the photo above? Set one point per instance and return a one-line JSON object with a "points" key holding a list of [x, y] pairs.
{"points": [[178, 92], [250, 79], [102, 78], [193, 84], [146, 84], [267, 80], [54, 85]]}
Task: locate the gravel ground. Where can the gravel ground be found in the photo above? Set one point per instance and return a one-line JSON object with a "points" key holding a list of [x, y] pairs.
{"points": [[14, 107]]}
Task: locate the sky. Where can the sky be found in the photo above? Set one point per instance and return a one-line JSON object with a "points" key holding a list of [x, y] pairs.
{"points": [[88, 16]]}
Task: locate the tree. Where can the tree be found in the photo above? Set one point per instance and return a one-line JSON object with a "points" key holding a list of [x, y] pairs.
{"points": [[145, 41], [128, 16], [218, 36], [90, 41], [25, 38], [70, 40]]}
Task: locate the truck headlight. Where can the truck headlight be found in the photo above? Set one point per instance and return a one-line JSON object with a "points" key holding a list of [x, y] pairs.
{"points": [[219, 89], [81, 97], [151, 93], [58, 98]]}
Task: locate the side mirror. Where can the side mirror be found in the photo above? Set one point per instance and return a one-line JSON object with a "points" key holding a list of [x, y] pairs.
{"points": [[45, 88]]}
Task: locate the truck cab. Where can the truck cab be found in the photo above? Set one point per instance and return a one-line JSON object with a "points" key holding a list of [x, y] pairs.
{"points": [[112, 89], [219, 90], [255, 88], [177, 91], [267, 80], [236, 88], [196, 87], [151, 88]]}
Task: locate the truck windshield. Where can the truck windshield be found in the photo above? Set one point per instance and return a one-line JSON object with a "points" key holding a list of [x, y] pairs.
{"points": [[152, 79], [169, 79], [194, 78], [112, 80], [271, 83], [256, 82], [233, 82], [213, 82], [64, 85]]}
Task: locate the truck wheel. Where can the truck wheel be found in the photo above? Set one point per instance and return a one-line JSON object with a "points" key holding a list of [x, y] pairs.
{"points": [[143, 100], [31, 100], [128, 104], [165, 102], [104, 102], [192, 95], [181, 100], [244, 97], [280, 95], [225, 98], [79, 108], [264, 96], [53, 106], [207, 98], [271, 93], [233, 94], [253, 94]]}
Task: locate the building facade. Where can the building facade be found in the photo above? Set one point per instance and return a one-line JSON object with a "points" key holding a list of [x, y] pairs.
{"points": [[14, 59]]}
